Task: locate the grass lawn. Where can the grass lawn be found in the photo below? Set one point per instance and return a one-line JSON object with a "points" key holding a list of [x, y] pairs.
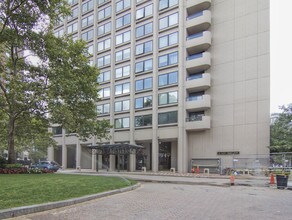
{"points": [[29, 189]]}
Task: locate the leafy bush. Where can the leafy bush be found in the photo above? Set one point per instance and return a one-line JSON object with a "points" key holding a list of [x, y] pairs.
{"points": [[2, 162], [13, 165]]}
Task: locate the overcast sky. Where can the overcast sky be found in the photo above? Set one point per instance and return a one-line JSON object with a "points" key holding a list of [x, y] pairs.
{"points": [[281, 49]]}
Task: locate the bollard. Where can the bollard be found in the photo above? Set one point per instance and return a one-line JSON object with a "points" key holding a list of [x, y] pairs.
{"points": [[272, 179]]}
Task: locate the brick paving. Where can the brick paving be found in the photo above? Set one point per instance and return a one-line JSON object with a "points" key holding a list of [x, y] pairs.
{"points": [[175, 201]]}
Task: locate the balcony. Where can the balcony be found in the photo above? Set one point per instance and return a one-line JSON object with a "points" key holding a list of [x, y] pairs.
{"points": [[194, 6], [198, 84], [198, 103], [198, 62], [198, 22], [198, 42], [198, 123]]}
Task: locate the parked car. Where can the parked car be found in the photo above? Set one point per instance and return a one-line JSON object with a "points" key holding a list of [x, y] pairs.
{"points": [[50, 165]]}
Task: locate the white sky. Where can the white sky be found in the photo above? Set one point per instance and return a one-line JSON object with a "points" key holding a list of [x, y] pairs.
{"points": [[281, 49]]}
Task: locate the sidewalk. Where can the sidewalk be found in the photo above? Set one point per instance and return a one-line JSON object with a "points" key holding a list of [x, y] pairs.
{"points": [[181, 178]]}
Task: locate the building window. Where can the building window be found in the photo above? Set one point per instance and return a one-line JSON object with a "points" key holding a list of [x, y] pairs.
{"points": [[104, 13], [74, 13], [168, 79], [103, 109], [103, 45], [87, 36], [123, 55], [143, 84], [104, 92], [122, 71], [168, 59], [106, 28], [99, 2], [144, 30], [167, 117], [144, 48], [72, 2], [143, 120], [144, 12], [72, 28], [87, 21], [168, 40], [104, 76], [87, 6], [122, 88], [57, 130], [90, 50], [122, 123], [123, 37], [163, 4], [144, 66], [168, 21], [120, 5], [103, 61], [167, 98], [124, 20], [143, 102], [122, 106], [59, 33]]}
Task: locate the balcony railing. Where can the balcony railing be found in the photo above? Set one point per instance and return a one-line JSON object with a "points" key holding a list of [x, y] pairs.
{"points": [[197, 76], [193, 36], [194, 98], [195, 56], [198, 14], [195, 118]]}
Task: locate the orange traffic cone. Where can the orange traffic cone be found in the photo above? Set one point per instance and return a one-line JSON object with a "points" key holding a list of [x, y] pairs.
{"points": [[232, 178], [198, 170], [272, 179]]}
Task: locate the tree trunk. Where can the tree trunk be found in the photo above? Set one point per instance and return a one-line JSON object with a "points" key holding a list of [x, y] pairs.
{"points": [[11, 150]]}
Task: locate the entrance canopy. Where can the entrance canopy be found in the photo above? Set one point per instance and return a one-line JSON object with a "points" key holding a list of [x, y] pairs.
{"points": [[115, 149]]}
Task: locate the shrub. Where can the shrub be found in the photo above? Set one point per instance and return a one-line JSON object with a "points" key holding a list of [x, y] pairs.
{"points": [[2, 162], [13, 165]]}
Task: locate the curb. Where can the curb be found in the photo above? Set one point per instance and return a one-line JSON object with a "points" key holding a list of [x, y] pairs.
{"points": [[24, 210]]}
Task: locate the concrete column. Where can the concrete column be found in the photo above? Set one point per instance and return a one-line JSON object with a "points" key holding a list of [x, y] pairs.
{"points": [[132, 162], [93, 159], [64, 151], [78, 154], [112, 161], [51, 153], [99, 161]]}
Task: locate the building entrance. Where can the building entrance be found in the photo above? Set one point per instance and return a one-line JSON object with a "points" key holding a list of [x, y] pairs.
{"points": [[164, 155]]}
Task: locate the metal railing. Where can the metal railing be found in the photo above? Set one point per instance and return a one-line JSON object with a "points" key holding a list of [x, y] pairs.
{"points": [[194, 98], [195, 56], [198, 14], [195, 118], [195, 36]]}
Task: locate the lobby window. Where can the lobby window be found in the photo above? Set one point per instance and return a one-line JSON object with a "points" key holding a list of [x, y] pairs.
{"points": [[123, 37], [168, 59], [168, 21], [87, 36], [104, 76], [144, 12], [122, 106], [168, 40], [163, 4], [99, 2], [168, 79], [120, 5], [87, 21], [167, 98], [122, 71], [143, 120], [74, 13], [122, 123], [72, 28], [144, 66], [103, 45], [143, 84], [124, 20], [103, 109], [143, 102], [104, 92], [72, 2], [87, 6], [103, 61], [104, 13], [123, 55], [144, 30], [144, 48], [122, 88], [59, 33], [167, 117], [106, 28], [90, 50]]}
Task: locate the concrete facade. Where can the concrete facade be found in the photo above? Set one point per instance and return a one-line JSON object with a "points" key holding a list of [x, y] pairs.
{"points": [[186, 79]]}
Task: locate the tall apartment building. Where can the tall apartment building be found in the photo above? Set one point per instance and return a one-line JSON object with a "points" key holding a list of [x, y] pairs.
{"points": [[183, 78]]}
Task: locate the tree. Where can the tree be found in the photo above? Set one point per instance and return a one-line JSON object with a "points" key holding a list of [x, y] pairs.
{"points": [[281, 131], [60, 88]]}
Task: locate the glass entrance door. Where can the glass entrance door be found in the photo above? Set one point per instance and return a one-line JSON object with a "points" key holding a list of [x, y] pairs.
{"points": [[164, 156]]}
